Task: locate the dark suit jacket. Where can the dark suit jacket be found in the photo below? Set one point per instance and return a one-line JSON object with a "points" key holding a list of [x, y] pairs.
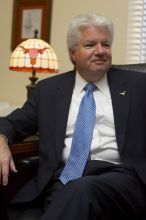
{"points": [[47, 112]]}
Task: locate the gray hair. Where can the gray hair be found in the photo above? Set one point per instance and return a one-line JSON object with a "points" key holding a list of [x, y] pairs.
{"points": [[75, 25]]}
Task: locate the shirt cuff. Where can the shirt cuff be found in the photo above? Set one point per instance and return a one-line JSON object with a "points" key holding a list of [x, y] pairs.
{"points": [[1, 135]]}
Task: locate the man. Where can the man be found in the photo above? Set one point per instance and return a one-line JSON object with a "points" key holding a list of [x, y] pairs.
{"points": [[112, 185]]}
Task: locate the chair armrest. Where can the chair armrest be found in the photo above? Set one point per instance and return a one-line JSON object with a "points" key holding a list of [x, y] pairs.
{"points": [[28, 161]]}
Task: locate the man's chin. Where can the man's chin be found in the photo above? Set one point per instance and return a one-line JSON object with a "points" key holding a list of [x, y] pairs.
{"points": [[103, 68]]}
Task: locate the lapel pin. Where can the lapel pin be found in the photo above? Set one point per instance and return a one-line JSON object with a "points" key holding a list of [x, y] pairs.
{"points": [[122, 93]]}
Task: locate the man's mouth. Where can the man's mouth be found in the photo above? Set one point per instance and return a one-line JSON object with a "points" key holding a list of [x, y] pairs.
{"points": [[98, 61]]}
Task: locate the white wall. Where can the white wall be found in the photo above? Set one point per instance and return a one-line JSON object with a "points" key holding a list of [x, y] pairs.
{"points": [[12, 84]]}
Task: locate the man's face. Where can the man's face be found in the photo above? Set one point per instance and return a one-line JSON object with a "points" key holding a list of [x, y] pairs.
{"points": [[92, 56]]}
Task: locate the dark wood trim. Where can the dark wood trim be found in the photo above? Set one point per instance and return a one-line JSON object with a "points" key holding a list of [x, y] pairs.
{"points": [[24, 148]]}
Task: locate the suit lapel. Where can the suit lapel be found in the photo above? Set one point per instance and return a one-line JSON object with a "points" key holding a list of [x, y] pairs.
{"points": [[120, 90], [63, 97]]}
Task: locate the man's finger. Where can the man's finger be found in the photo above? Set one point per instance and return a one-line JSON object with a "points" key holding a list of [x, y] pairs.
{"points": [[5, 173], [0, 175], [12, 166]]}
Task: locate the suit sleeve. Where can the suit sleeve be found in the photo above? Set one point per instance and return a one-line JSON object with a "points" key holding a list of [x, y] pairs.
{"points": [[22, 122]]}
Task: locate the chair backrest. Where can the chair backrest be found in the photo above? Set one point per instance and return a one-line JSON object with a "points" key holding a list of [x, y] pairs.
{"points": [[139, 67]]}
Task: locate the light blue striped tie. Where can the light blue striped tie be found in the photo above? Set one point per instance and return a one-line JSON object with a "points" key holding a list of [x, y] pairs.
{"points": [[82, 137]]}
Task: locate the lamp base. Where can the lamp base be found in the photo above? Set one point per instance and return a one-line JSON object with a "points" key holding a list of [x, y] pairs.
{"points": [[31, 87]]}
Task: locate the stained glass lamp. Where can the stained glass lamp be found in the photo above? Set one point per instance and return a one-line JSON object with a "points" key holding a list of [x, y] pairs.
{"points": [[34, 55]]}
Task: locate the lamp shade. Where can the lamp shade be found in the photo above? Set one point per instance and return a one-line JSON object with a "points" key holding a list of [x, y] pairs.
{"points": [[34, 55]]}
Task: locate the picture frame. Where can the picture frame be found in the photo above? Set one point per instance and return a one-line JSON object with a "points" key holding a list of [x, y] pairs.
{"points": [[31, 17]]}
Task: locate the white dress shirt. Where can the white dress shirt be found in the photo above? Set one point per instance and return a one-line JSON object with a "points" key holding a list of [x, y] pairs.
{"points": [[104, 145]]}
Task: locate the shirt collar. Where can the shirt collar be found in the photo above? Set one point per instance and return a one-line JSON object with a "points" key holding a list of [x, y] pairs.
{"points": [[102, 85], [79, 83]]}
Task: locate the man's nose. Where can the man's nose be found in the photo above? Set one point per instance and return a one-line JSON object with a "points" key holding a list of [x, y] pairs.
{"points": [[99, 49]]}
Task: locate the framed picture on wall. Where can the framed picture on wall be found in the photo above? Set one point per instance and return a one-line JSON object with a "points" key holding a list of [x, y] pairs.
{"points": [[31, 18]]}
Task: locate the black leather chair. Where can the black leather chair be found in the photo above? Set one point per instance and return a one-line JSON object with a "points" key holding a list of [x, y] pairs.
{"points": [[29, 163], [26, 159], [140, 67]]}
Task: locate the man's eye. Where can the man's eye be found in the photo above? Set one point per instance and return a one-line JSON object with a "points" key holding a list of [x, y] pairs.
{"points": [[106, 44], [88, 45]]}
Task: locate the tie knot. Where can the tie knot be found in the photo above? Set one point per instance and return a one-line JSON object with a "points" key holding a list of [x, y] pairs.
{"points": [[90, 87]]}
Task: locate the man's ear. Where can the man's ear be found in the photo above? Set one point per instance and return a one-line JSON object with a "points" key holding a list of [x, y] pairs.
{"points": [[71, 54]]}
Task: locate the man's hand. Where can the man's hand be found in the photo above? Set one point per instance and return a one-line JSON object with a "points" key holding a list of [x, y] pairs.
{"points": [[6, 161]]}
